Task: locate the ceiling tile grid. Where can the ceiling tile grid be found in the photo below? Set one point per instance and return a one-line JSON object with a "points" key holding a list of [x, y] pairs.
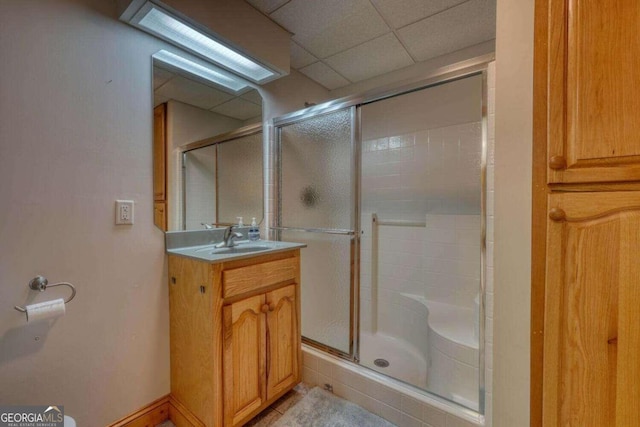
{"points": [[191, 92], [470, 23], [238, 108], [325, 75], [339, 42], [168, 85], [370, 59]]}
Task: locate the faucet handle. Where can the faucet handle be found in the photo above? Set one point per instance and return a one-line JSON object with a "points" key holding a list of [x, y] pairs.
{"points": [[207, 226]]}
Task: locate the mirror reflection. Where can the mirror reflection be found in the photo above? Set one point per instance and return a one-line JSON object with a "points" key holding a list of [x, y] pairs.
{"points": [[207, 152]]}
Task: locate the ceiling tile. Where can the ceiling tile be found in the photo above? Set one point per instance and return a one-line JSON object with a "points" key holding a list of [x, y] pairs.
{"points": [[160, 77], [194, 93], [370, 59], [459, 27], [323, 74], [399, 13], [327, 27], [252, 96], [238, 108], [266, 6], [300, 57]]}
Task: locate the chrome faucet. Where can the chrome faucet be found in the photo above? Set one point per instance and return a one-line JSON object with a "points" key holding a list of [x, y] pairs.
{"points": [[229, 236]]}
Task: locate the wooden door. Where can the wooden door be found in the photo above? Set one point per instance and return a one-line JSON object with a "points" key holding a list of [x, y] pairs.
{"points": [[592, 310], [244, 358], [283, 340], [592, 53]]}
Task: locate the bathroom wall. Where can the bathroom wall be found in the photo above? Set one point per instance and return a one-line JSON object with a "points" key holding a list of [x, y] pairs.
{"points": [[75, 135], [512, 264]]}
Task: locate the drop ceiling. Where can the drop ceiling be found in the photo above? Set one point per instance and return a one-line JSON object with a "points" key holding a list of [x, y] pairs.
{"points": [[168, 85], [339, 42]]}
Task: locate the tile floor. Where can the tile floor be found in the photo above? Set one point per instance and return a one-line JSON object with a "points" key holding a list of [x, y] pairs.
{"points": [[273, 412]]}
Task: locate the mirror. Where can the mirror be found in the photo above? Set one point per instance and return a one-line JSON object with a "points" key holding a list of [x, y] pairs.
{"points": [[208, 156]]}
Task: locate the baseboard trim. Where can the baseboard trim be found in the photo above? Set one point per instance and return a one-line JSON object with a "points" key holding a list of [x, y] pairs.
{"points": [[149, 416]]}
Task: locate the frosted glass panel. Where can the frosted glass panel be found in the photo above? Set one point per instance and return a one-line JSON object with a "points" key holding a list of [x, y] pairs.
{"points": [[200, 187], [240, 179], [326, 287], [316, 172]]}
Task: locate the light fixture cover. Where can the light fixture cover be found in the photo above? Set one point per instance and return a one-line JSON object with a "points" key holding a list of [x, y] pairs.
{"points": [[161, 23], [208, 72]]}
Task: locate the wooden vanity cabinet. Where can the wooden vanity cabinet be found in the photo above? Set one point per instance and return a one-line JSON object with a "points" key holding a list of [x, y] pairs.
{"points": [[235, 336]]}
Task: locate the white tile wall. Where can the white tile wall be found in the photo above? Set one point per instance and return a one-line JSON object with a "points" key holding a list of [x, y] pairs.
{"points": [[432, 171]]}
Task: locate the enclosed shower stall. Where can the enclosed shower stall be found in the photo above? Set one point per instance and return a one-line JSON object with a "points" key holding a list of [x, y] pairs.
{"points": [[387, 190]]}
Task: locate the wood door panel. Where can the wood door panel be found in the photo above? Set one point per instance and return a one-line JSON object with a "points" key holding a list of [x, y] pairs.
{"points": [[283, 331], [594, 98], [244, 358], [592, 297]]}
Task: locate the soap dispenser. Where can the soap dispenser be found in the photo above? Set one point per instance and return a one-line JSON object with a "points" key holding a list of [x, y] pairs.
{"points": [[254, 231], [240, 223]]}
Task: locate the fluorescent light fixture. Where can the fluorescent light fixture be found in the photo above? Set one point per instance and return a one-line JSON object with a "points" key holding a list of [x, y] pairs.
{"points": [[209, 72], [162, 24]]}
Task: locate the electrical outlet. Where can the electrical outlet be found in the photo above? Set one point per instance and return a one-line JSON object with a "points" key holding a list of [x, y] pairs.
{"points": [[124, 212]]}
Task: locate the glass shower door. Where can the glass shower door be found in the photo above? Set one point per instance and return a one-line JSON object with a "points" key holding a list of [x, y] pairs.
{"points": [[317, 206]]}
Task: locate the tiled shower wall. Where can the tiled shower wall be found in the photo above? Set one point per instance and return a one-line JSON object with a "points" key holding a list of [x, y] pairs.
{"points": [[429, 176]]}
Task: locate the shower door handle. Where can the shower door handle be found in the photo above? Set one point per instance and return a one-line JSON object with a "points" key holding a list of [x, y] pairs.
{"points": [[318, 230]]}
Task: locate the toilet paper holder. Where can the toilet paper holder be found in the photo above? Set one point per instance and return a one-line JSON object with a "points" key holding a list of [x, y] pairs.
{"points": [[40, 283]]}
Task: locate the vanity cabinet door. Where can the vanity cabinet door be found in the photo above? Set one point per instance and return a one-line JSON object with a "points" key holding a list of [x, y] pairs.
{"points": [[244, 358], [283, 340], [592, 310]]}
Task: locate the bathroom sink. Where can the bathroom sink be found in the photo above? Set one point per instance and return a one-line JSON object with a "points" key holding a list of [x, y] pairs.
{"points": [[241, 249]]}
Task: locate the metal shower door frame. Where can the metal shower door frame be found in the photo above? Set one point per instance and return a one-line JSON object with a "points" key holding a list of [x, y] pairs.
{"points": [[354, 295], [447, 74]]}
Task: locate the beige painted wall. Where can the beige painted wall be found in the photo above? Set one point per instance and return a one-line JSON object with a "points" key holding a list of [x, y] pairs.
{"points": [[75, 135], [513, 145]]}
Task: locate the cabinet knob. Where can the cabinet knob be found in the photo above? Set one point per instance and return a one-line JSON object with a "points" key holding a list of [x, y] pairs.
{"points": [[272, 306], [264, 308], [557, 162], [557, 214]]}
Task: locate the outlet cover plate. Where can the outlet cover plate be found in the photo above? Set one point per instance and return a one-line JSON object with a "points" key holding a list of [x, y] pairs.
{"points": [[124, 212]]}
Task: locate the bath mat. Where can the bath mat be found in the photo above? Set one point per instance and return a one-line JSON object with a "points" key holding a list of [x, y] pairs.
{"points": [[320, 408]]}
